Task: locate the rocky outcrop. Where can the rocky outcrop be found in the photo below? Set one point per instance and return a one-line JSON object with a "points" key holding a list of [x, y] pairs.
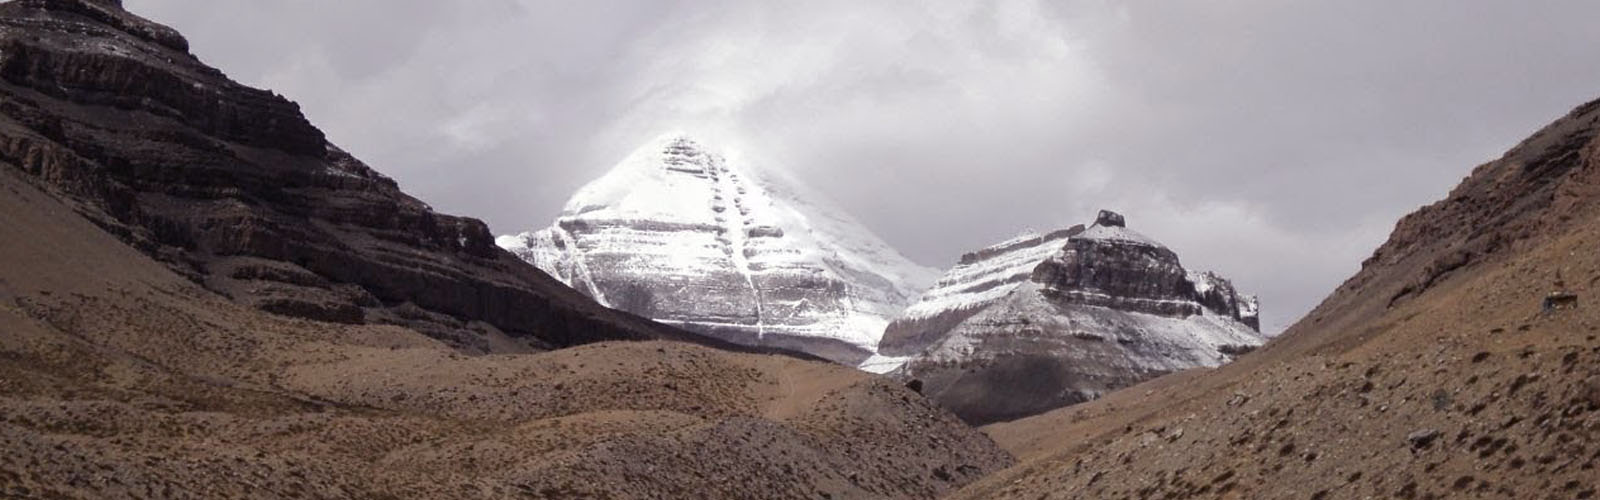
{"points": [[1216, 293], [233, 188], [1111, 267], [1038, 323], [1534, 189], [680, 234]]}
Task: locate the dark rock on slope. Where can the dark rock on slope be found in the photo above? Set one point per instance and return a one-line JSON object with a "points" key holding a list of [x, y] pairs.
{"points": [[233, 188]]}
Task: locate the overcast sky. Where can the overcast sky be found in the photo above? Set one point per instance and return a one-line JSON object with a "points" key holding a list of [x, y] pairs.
{"points": [[1273, 141]]}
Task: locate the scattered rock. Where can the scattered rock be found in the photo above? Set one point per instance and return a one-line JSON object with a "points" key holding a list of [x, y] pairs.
{"points": [[1423, 438], [915, 385], [1560, 301], [1592, 392]]}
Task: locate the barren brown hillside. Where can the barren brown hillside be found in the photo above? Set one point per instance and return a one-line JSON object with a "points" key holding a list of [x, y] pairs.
{"points": [[1433, 373], [118, 379]]}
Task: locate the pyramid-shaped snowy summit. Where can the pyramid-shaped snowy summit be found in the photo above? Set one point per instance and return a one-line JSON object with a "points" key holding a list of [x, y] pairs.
{"points": [[680, 234]]}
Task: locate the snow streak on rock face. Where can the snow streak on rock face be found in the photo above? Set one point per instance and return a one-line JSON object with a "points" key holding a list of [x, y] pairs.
{"points": [[683, 235], [980, 279], [1016, 330]]}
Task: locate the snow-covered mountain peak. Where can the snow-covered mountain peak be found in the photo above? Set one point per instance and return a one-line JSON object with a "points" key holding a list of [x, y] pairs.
{"points": [[1027, 325], [680, 233], [663, 179]]}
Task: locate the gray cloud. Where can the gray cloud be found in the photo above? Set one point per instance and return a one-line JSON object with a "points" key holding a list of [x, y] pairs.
{"points": [[1273, 141]]}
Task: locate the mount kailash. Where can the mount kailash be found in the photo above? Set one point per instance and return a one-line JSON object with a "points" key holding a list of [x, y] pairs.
{"points": [[682, 234]]}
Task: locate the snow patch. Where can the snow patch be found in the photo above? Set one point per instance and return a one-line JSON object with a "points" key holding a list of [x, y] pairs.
{"points": [[1113, 233]]}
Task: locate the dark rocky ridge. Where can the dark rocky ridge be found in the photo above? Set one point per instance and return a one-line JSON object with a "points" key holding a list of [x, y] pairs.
{"points": [[233, 188], [1120, 275], [1131, 275]]}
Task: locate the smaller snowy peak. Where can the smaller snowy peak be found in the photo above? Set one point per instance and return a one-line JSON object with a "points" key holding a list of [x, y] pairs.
{"points": [[1024, 327]]}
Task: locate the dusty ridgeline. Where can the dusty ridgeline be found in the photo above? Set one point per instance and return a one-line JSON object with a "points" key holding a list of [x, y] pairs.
{"points": [[203, 298]]}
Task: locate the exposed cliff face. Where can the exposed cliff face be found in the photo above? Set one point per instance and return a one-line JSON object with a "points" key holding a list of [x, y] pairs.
{"points": [[1111, 267], [232, 187], [1106, 309], [680, 234]]}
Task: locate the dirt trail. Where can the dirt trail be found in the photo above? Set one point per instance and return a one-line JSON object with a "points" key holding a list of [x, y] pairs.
{"points": [[793, 386]]}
